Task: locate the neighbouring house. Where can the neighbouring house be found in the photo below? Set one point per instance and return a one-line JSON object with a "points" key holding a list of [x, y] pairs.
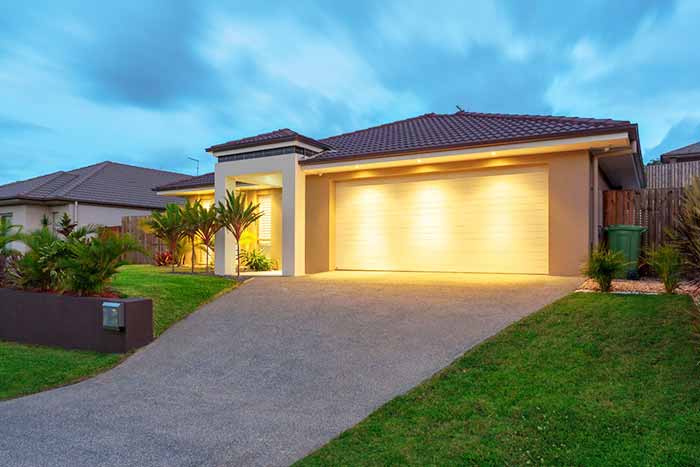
{"points": [[677, 168], [97, 194], [462, 192], [684, 154]]}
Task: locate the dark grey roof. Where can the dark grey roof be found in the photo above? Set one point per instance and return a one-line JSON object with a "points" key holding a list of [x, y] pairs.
{"points": [[104, 183], [200, 181], [692, 150]]}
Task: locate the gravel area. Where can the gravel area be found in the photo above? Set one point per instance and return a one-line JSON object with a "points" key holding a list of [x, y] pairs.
{"points": [[645, 285]]}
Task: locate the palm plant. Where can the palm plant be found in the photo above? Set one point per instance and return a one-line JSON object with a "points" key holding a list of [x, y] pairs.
{"points": [[66, 225], [167, 226], [207, 226], [190, 224], [89, 265], [8, 233], [235, 215], [39, 267]]}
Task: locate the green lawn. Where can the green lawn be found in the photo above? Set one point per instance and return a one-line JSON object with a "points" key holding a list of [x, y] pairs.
{"points": [[174, 295], [27, 369], [593, 379]]}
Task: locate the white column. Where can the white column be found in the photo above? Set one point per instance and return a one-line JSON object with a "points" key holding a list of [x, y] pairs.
{"points": [[293, 219], [225, 246]]}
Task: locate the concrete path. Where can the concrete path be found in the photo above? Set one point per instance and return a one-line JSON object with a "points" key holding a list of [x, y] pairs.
{"points": [[269, 372]]}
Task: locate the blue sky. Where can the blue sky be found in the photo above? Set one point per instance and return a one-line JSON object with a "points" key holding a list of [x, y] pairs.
{"points": [[151, 83]]}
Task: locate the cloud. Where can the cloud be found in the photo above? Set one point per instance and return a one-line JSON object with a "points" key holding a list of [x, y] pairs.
{"points": [[456, 26], [299, 75], [649, 77], [10, 126]]}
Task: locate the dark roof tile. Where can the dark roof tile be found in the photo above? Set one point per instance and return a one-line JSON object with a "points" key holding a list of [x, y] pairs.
{"points": [[103, 183]]}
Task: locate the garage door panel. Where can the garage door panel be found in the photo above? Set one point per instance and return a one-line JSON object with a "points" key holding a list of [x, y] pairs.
{"points": [[495, 221]]}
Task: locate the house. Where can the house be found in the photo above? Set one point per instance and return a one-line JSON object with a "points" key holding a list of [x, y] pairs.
{"points": [[685, 154], [97, 194], [462, 192], [678, 168]]}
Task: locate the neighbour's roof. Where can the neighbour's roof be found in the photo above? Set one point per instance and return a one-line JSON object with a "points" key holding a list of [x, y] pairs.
{"points": [[458, 130], [200, 181], [692, 150], [104, 183], [278, 136]]}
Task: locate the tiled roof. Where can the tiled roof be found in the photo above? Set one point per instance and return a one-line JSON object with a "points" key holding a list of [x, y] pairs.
{"points": [[690, 150], [104, 183], [277, 136], [461, 129], [206, 180]]}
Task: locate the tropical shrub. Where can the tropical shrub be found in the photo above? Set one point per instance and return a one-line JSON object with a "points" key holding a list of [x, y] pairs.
{"points": [[88, 266], [164, 258], [666, 261], [208, 225], [236, 215], [167, 226], [66, 225], [9, 233], [603, 265], [190, 226], [256, 260], [38, 268], [686, 233]]}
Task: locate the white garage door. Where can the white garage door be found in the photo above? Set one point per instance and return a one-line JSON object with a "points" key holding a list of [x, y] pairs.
{"points": [[486, 221]]}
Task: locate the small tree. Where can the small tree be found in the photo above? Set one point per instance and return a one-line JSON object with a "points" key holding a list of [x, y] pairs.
{"points": [[190, 224], [167, 226], [66, 225], [208, 225], [235, 215]]}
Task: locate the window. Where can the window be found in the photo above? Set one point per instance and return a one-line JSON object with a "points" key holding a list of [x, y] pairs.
{"points": [[6, 215], [265, 222]]}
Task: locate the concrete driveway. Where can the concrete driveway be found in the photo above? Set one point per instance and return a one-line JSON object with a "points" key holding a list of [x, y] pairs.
{"points": [[270, 371]]}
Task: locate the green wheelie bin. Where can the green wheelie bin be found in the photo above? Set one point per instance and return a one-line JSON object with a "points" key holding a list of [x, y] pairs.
{"points": [[628, 240]]}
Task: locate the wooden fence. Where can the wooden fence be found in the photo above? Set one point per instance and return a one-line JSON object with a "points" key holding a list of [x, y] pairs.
{"points": [[673, 175], [132, 225], [655, 209]]}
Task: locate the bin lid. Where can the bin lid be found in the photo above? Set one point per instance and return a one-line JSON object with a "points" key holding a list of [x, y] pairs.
{"points": [[627, 227]]}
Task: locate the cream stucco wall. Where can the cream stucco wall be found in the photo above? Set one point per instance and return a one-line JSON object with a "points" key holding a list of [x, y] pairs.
{"points": [[569, 206]]}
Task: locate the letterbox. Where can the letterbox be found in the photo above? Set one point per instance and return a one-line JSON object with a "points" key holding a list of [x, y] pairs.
{"points": [[113, 316]]}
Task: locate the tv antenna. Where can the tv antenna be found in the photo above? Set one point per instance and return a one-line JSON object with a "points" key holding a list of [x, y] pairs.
{"points": [[196, 161], [459, 107]]}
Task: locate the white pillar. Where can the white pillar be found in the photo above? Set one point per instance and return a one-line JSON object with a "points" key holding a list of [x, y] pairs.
{"points": [[225, 245], [293, 219]]}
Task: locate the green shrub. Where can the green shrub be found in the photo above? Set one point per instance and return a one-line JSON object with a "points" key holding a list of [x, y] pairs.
{"points": [[686, 232], [256, 260], [603, 265], [38, 267], [88, 266], [666, 261]]}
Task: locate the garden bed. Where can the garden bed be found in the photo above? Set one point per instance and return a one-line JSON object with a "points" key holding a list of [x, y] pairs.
{"points": [[72, 322], [645, 285]]}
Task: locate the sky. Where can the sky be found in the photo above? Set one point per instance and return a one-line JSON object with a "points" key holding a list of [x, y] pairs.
{"points": [[152, 83]]}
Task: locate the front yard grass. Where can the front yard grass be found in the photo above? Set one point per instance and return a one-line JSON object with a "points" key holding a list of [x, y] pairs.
{"points": [[26, 369], [174, 295], [593, 379]]}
